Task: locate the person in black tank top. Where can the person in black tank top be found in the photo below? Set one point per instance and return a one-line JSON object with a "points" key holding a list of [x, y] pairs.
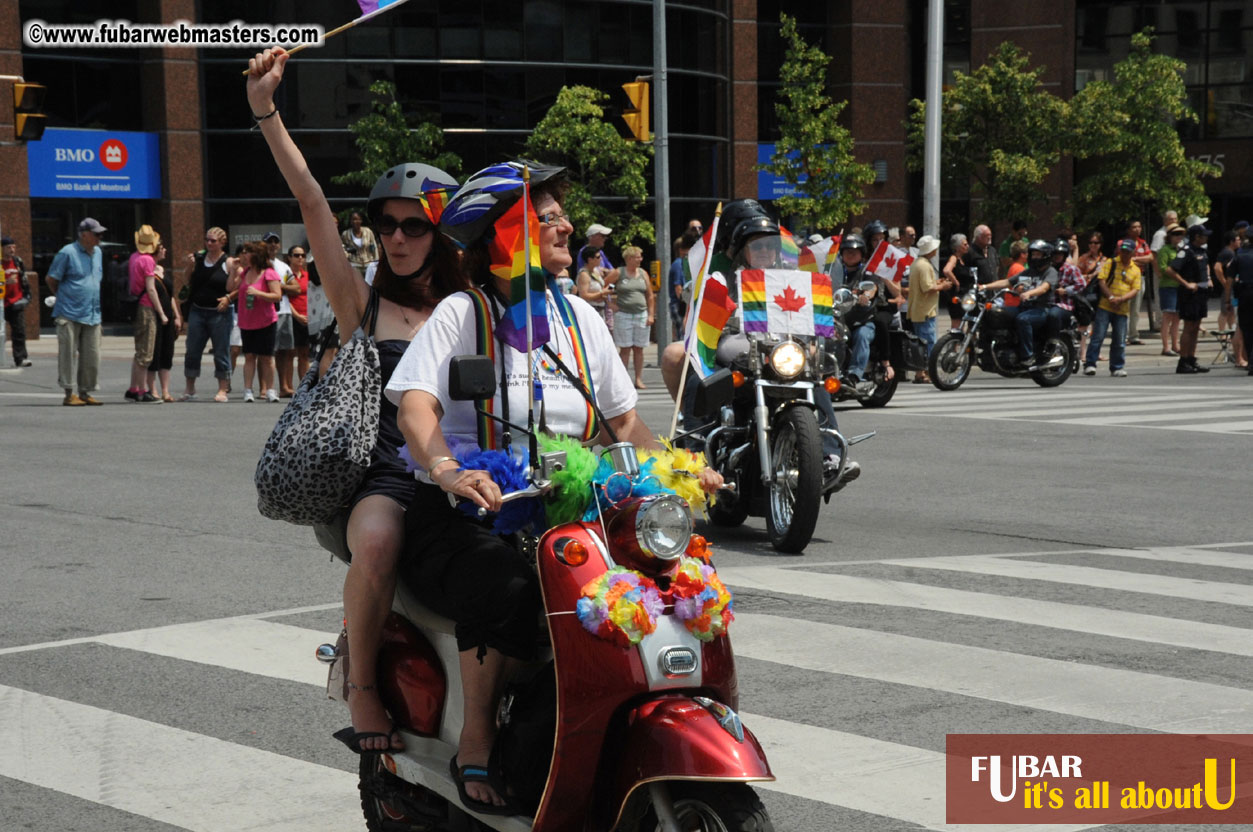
{"points": [[208, 314], [417, 267]]}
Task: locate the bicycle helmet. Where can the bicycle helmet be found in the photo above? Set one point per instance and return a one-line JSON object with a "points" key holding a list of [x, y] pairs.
{"points": [[412, 180], [751, 227], [485, 196]]}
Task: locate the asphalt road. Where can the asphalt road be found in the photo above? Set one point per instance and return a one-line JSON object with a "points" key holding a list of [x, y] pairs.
{"points": [[1012, 560]]}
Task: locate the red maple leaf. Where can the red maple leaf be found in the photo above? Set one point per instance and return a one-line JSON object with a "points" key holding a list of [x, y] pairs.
{"points": [[890, 260], [789, 301]]}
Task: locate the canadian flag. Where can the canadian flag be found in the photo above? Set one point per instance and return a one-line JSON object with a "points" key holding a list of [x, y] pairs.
{"points": [[889, 262]]}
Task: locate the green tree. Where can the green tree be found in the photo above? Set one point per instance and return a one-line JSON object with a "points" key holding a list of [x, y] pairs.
{"points": [[1001, 133], [814, 153], [574, 133], [1128, 129], [387, 137]]}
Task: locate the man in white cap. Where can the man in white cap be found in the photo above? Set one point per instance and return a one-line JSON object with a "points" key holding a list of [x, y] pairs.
{"points": [[596, 236], [924, 296], [74, 280]]}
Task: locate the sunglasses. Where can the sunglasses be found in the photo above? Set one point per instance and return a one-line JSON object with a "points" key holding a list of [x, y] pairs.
{"points": [[411, 227]]}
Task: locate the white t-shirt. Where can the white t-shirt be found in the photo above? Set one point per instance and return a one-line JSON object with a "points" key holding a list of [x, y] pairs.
{"points": [[285, 275], [451, 331]]}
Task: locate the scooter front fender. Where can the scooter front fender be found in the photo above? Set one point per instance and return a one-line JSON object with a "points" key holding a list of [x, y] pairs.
{"points": [[681, 738]]}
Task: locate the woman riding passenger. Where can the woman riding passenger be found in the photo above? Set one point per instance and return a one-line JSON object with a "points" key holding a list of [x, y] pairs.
{"points": [[417, 268], [455, 565]]}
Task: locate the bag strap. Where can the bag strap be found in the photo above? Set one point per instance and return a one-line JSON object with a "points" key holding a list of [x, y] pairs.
{"points": [[371, 313], [584, 383], [485, 321]]}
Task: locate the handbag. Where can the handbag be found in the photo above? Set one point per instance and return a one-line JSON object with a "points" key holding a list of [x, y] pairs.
{"points": [[318, 452]]}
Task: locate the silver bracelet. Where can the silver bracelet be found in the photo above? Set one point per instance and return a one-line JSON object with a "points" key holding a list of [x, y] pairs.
{"points": [[439, 460]]}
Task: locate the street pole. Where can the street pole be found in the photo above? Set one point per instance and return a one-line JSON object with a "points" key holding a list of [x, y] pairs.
{"points": [[931, 152], [661, 168]]}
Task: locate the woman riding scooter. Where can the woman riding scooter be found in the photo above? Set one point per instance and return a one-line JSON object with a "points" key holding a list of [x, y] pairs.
{"points": [[456, 566]]}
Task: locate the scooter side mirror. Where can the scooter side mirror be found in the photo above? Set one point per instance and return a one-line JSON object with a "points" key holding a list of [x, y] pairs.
{"points": [[713, 391], [471, 377]]}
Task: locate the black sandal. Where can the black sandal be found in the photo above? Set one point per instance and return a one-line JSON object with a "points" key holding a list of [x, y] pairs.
{"points": [[353, 740], [478, 774]]}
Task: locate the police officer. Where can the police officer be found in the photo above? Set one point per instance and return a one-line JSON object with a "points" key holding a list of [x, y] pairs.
{"points": [[1191, 269]]}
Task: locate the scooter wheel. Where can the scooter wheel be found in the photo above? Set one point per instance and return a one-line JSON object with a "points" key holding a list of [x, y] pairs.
{"points": [[711, 806]]}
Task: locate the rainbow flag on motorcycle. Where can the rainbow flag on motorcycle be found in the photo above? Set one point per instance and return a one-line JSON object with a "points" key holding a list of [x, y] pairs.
{"points": [[508, 250], [786, 302], [713, 309], [818, 257]]}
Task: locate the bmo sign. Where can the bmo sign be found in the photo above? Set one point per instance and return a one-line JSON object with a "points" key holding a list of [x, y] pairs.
{"points": [[95, 164]]}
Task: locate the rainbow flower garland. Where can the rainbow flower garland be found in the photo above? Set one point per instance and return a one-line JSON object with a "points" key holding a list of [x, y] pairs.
{"points": [[620, 606], [701, 600]]}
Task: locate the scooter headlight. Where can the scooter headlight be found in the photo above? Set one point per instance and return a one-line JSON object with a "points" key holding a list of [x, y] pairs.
{"points": [[787, 359], [663, 527], [969, 300]]}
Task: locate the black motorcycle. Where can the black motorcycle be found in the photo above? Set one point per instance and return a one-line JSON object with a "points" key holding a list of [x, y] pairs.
{"points": [[988, 338], [908, 354]]}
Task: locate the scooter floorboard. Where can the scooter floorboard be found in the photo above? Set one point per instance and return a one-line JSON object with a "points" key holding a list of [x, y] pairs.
{"points": [[425, 763]]}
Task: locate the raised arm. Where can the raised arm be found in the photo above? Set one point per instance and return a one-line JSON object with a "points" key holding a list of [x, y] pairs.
{"points": [[346, 294]]}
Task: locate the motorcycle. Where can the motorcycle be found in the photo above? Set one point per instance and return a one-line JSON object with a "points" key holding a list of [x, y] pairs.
{"points": [[875, 389], [767, 442], [602, 733], [988, 337]]}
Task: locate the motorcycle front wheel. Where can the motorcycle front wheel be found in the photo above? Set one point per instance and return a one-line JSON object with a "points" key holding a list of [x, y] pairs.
{"points": [[795, 481], [1056, 346], [883, 392], [713, 807], [949, 365]]}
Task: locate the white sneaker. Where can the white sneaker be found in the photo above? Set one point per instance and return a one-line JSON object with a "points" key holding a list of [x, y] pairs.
{"points": [[271, 395], [1119, 373], [248, 397], [1089, 370]]}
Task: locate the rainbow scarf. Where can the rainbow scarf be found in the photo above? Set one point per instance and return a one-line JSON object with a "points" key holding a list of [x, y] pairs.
{"points": [[486, 346], [508, 252]]}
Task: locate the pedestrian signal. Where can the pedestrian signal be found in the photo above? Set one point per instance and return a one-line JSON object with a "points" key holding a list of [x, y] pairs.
{"points": [[28, 121], [636, 118]]}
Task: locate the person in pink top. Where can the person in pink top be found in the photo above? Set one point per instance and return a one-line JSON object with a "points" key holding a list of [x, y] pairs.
{"points": [[142, 269], [257, 288]]}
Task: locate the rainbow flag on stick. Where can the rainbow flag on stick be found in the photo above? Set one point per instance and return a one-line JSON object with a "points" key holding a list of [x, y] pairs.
{"points": [[789, 250], [508, 250], [372, 6], [713, 308]]}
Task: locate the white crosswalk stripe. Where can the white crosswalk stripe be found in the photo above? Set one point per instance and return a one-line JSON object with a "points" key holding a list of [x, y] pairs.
{"points": [[1202, 410], [208, 784]]}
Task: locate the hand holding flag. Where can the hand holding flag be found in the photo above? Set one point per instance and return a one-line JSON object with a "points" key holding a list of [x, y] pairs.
{"points": [[889, 262]]}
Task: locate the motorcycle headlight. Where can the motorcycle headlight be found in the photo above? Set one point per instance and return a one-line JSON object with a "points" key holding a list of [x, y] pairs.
{"points": [[968, 301], [663, 527], [787, 359]]}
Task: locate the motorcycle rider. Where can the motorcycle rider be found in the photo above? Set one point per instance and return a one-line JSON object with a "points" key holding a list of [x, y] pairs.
{"points": [[1191, 268], [875, 232], [1070, 282], [1034, 286], [870, 318]]}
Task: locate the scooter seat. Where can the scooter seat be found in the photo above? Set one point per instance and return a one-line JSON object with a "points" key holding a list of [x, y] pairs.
{"points": [[406, 603]]}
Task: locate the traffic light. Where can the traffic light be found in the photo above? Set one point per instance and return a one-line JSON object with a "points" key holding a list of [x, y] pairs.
{"points": [[637, 117], [28, 121]]}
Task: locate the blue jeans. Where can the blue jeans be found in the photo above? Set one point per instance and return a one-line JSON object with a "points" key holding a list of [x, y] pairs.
{"points": [[925, 330], [860, 340], [1026, 322], [1100, 323], [202, 325]]}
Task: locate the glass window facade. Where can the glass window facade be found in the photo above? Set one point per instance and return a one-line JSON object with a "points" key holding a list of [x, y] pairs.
{"points": [[1214, 37], [485, 70]]}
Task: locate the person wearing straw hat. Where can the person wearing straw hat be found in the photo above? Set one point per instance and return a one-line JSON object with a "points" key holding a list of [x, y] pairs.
{"points": [[143, 285], [924, 296]]}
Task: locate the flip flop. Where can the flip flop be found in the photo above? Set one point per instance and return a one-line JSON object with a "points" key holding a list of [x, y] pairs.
{"points": [[477, 774], [353, 739]]}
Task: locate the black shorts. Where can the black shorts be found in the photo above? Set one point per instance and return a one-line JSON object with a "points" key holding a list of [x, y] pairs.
{"points": [[163, 347], [1193, 306], [461, 570], [300, 334], [259, 341]]}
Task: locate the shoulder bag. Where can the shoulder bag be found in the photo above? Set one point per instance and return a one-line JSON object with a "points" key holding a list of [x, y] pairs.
{"points": [[319, 450]]}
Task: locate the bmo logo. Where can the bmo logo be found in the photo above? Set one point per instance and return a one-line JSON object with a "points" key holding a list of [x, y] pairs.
{"points": [[113, 154], [75, 154]]}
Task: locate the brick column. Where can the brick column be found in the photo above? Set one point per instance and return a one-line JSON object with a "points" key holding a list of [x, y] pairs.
{"points": [[743, 99], [1047, 31], [14, 179], [871, 70]]}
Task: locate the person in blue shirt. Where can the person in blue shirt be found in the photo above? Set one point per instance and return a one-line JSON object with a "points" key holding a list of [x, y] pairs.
{"points": [[678, 279], [74, 279]]}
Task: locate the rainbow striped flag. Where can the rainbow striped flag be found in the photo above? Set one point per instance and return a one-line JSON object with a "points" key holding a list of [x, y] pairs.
{"points": [[817, 257], [790, 252], [714, 309], [372, 6], [824, 320], [753, 303], [508, 261]]}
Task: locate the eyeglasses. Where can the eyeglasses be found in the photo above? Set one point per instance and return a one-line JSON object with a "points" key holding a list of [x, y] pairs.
{"points": [[411, 227], [553, 218]]}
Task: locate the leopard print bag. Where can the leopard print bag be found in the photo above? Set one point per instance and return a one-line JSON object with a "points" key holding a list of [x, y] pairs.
{"points": [[320, 448]]}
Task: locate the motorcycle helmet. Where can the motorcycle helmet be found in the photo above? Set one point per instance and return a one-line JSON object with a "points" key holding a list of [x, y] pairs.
{"points": [[875, 227], [733, 213], [1039, 252], [1060, 246], [412, 180], [485, 196], [853, 241], [751, 227]]}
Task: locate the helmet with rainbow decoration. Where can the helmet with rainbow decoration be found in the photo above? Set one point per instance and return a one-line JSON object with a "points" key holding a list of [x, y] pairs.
{"points": [[486, 195]]}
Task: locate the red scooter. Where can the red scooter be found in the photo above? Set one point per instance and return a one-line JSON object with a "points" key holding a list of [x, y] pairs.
{"points": [[635, 726]]}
